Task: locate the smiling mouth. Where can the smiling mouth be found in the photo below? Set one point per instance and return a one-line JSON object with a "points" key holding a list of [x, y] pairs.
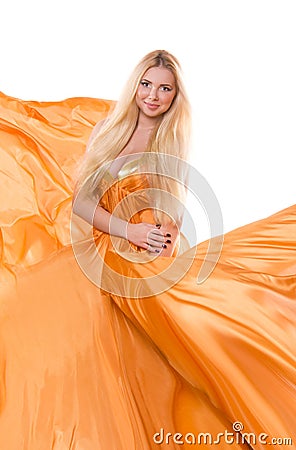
{"points": [[151, 105]]}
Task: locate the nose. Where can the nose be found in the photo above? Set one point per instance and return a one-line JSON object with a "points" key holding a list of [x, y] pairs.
{"points": [[153, 95]]}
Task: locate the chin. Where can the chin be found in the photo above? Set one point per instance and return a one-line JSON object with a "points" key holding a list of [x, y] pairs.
{"points": [[152, 113]]}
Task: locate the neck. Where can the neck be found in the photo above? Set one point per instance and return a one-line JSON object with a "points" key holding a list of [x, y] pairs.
{"points": [[147, 123]]}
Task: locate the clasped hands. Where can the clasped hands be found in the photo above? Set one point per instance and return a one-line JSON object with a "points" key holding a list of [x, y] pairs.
{"points": [[153, 238]]}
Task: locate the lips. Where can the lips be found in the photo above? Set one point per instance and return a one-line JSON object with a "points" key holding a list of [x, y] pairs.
{"points": [[151, 105]]}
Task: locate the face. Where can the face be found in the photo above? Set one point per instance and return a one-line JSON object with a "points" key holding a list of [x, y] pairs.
{"points": [[156, 91]]}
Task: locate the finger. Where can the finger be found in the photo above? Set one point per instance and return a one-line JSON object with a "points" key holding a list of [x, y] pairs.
{"points": [[147, 246], [158, 246], [154, 228], [155, 239], [155, 244], [156, 235], [152, 249]]}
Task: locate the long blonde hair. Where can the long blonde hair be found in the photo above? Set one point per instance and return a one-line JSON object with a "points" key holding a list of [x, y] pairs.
{"points": [[171, 136]]}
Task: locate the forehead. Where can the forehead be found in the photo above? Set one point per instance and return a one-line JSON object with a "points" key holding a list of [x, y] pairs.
{"points": [[159, 75]]}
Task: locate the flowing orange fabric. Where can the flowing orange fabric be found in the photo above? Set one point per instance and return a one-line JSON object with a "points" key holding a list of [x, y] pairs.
{"points": [[84, 368]]}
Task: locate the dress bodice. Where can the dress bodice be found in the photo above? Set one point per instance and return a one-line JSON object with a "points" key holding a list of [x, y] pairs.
{"points": [[127, 194]]}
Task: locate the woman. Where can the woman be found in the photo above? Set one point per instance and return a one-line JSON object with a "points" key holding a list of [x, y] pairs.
{"points": [[142, 356], [153, 116]]}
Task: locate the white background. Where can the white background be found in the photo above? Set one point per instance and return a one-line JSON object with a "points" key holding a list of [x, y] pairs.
{"points": [[238, 59]]}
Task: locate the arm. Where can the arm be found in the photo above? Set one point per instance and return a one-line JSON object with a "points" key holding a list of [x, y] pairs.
{"points": [[144, 235]]}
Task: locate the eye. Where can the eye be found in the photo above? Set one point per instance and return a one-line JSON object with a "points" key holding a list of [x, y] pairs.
{"points": [[144, 83], [166, 88]]}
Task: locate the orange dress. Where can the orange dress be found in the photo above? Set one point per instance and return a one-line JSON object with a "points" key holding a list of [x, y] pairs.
{"points": [[148, 360]]}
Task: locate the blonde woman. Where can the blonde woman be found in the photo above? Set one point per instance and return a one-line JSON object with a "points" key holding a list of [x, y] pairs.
{"points": [[110, 342], [152, 116]]}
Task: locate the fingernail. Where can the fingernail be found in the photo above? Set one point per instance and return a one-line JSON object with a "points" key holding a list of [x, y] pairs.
{"points": [[164, 246], [168, 235], [168, 241]]}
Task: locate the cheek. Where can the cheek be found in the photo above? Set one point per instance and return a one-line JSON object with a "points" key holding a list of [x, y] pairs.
{"points": [[168, 100], [140, 93]]}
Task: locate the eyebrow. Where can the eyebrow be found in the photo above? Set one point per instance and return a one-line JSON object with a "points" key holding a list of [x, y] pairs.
{"points": [[162, 84]]}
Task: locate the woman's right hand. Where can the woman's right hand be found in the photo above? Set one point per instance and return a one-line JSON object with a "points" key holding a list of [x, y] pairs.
{"points": [[147, 236]]}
